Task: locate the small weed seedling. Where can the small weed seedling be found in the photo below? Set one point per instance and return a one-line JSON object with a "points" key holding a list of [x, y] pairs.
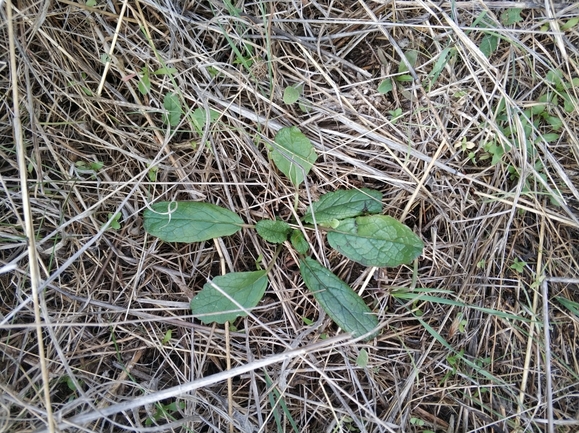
{"points": [[351, 218]]}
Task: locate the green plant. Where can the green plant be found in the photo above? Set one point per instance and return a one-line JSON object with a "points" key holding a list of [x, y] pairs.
{"points": [[172, 104], [89, 167], [114, 219], [199, 118], [418, 422], [518, 265], [395, 115], [164, 412], [490, 41], [385, 86], [351, 218], [291, 94], [276, 401], [362, 358]]}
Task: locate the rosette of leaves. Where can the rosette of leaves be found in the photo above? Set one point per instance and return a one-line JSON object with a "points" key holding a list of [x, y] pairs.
{"points": [[354, 226]]}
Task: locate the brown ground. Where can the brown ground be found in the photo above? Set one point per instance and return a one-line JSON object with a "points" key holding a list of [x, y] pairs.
{"points": [[479, 336]]}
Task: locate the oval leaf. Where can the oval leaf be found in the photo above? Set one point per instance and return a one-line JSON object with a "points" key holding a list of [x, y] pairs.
{"points": [[291, 95], [172, 104], [385, 86], [189, 221], [376, 240], [246, 288], [343, 204], [299, 242], [273, 231], [294, 154], [337, 299]]}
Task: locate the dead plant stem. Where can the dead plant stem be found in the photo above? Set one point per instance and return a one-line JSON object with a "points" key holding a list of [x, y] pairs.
{"points": [[29, 227]]}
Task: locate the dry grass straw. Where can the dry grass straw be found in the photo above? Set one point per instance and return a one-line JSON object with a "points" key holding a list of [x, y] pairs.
{"points": [[120, 343]]}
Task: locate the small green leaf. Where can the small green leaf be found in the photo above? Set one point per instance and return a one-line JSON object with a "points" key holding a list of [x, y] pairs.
{"points": [[144, 84], [569, 102], [91, 3], [246, 288], [395, 115], [190, 221], [518, 265], [404, 78], [569, 24], [291, 95], [376, 240], [294, 154], [343, 204], [305, 106], [165, 71], [362, 359], [167, 337], [489, 44], [199, 117], [411, 56], [173, 106], [555, 77], [337, 299], [538, 108], [385, 86], [550, 137], [152, 173], [511, 16], [275, 232], [572, 306], [299, 242], [439, 65], [555, 122], [114, 219]]}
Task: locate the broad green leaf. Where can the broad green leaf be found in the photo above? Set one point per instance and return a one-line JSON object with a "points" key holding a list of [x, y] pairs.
{"points": [[190, 221], [376, 240], [273, 231], [294, 154], [385, 86], [291, 95], [246, 288], [299, 242], [337, 299], [343, 204], [172, 104]]}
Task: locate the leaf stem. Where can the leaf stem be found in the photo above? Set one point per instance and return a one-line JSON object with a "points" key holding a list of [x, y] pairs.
{"points": [[275, 255], [296, 200]]}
